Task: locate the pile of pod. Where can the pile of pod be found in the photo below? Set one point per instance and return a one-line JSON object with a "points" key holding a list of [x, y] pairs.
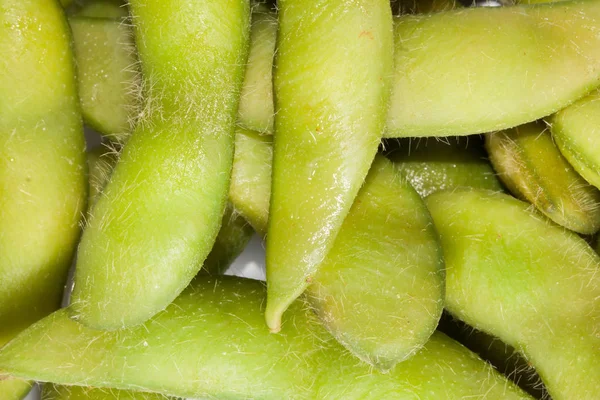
{"points": [[376, 154]]}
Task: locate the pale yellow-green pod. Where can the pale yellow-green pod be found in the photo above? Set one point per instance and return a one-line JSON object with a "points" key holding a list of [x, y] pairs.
{"points": [[479, 70], [514, 274], [533, 169], [42, 161]]}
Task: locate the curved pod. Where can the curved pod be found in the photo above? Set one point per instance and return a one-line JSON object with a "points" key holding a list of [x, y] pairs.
{"points": [[484, 69], [211, 342], [42, 162], [330, 114], [380, 289], [514, 274], [576, 132], [532, 167], [160, 213]]}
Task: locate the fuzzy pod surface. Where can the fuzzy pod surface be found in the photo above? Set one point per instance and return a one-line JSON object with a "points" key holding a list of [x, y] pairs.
{"points": [[514, 274], [432, 164], [576, 132], [160, 213], [380, 289], [42, 162], [211, 342], [531, 166], [108, 74], [478, 70], [331, 98]]}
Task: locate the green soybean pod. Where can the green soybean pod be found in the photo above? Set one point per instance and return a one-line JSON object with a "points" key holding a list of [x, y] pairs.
{"points": [[14, 389], [160, 213], [517, 64], [503, 357], [256, 103], [42, 162], [576, 133], [211, 342], [380, 289], [250, 188], [57, 392], [235, 232], [108, 75], [512, 273], [533, 169], [431, 164], [330, 106]]}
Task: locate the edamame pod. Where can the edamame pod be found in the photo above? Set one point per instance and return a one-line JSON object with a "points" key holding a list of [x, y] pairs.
{"points": [[56, 392], [256, 103], [577, 135], [108, 75], [381, 326], [503, 357], [330, 106], [211, 342], [160, 213], [380, 289], [14, 389], [42, 167], [514, 274], [432, 164], [517, 64], [42, 162], [250, 188], [533, 169], [234, 235]]}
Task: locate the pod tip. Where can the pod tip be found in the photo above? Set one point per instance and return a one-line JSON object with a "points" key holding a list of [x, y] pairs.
{"points": [[273, 318]]}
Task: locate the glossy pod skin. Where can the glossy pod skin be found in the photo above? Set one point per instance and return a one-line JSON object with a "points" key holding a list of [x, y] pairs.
{"points": [[533, 169], [576, 132], [508, 66], [160, 213], [212, 342], [42, 164], [108, 74], [330, 114], [432, 164], [514, 274]]}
